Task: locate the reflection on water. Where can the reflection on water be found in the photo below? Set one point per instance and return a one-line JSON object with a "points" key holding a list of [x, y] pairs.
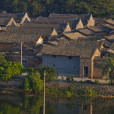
{"points": [[15, 104]]}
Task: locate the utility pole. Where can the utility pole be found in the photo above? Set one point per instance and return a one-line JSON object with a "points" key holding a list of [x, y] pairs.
{"points": [[44, 93], [21, 53]]}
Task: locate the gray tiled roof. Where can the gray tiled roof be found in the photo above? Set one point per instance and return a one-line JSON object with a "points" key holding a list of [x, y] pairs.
{"points": [[98, 29], [24, 33], [58, 26], [83, 17], [110, 37], [74, 35], [48, 20], [82, 48], [4, 21], [108, 26], [110, 21], [16, 16], [86, 32], [72, 21]]}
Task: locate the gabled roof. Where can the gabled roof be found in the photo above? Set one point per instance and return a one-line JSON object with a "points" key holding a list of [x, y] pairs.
{"points": [[48, 20], [90, 21], [54, 32], [4, 21], [7, 22], [84, 49], [79, 24], [18, 17], [67, 28], [24, 18], [83, 17], [24, 33]]}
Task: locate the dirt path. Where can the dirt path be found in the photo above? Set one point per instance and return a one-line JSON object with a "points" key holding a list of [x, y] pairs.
{"points": [[102, 81]]}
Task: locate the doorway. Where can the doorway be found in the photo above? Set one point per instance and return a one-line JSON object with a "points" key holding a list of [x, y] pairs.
{"points": [[85, 71]]}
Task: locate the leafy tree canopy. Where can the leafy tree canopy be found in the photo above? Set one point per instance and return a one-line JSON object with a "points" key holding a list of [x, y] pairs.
{"points": [[9, 69], [33, 82], [99, 8], [109, 68]]}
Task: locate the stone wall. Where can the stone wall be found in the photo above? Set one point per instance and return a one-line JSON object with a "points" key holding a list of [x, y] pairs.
{"points": [[98, 67], [87, 63]]}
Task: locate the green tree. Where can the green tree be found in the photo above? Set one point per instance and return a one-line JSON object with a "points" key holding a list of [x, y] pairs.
{"points": [[10, 69], [33, 82], [109, 68], [51, 74]]}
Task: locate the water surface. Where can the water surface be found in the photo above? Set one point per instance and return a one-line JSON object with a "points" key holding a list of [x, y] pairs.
{"points": [[17, 104]]}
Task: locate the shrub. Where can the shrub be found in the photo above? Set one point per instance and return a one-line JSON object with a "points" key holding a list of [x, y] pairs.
{"points": [[89, 92], [108, 68], [33, 82], [51, 74], [96, 81], [69, 94]]}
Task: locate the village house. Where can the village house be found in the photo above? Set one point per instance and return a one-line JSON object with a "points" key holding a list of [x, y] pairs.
{"points": [[74, 44]]}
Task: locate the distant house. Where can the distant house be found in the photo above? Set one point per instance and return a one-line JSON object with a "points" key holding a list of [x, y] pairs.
{"points": [[71, 57], [19, 18], [71, 43], [5, 22]]}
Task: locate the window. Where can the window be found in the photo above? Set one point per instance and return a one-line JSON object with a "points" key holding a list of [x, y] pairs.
{"points": [[70, 57], [85, 71]]}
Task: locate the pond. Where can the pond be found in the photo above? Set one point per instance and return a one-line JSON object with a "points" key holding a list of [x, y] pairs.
{"points": [[17, 104]]}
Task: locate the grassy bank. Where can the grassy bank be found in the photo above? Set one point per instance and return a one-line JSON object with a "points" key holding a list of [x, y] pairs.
{"points": [[66, 90]]}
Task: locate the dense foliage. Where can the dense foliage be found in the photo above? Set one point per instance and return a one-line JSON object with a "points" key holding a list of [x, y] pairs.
{"points": [[2, 57], [9, 69], [100, 8], [33, 82], [51, 74], [109, 68]]}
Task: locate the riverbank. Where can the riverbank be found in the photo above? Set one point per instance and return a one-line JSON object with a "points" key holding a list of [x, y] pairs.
{"points": [[61, 89], [83, 89]]}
